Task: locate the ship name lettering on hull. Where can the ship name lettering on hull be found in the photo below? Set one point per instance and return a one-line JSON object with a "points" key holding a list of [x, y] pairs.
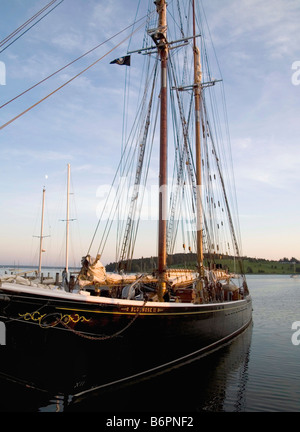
{"points": [[144, 309]]}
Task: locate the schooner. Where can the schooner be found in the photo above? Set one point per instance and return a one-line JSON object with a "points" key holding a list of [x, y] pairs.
{"points": [[148, 321]]}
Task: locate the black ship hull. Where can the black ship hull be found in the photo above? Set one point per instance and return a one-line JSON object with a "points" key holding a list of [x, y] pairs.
{"points": [[125, 338]]}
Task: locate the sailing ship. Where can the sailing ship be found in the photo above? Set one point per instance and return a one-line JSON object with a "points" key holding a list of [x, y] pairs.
{"points": [[136, 323]]}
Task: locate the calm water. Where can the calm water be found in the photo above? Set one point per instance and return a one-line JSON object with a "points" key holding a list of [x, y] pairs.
{"points": [[258, 371]]}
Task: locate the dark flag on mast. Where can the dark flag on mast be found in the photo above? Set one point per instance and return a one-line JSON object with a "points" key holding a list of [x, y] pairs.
{"points": [[122, 61]]}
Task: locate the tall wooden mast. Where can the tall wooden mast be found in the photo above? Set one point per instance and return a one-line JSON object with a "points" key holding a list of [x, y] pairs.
{"points": [[160, 38], [197, 97]]}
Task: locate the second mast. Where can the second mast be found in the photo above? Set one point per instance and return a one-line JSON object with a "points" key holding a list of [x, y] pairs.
{"points": [[160, 38]]}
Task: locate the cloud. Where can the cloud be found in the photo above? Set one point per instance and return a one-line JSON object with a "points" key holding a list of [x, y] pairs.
{"points": [[269, 163], [104, 13], [70, 40], [273, 24], [35, 155]]}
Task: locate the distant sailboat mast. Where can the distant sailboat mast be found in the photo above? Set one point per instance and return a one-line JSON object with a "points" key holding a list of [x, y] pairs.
{"points": [[41, 236], [67, 219]]}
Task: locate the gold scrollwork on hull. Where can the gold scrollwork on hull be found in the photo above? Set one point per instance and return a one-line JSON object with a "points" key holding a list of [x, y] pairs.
{"points": [[75, 318], [33, 316], [36, 316]]}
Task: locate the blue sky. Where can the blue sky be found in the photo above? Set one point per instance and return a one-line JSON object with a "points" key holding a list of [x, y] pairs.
{"points": [[257, 42]]}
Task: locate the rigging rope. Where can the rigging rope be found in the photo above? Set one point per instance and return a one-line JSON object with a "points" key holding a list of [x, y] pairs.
{"points": [[124, 169], [69, 64], [125, 250], [5, 40], [31, 26], [70, 80]]}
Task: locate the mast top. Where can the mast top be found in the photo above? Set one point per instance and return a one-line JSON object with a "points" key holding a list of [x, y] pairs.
{"points": [[159, 34]]}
